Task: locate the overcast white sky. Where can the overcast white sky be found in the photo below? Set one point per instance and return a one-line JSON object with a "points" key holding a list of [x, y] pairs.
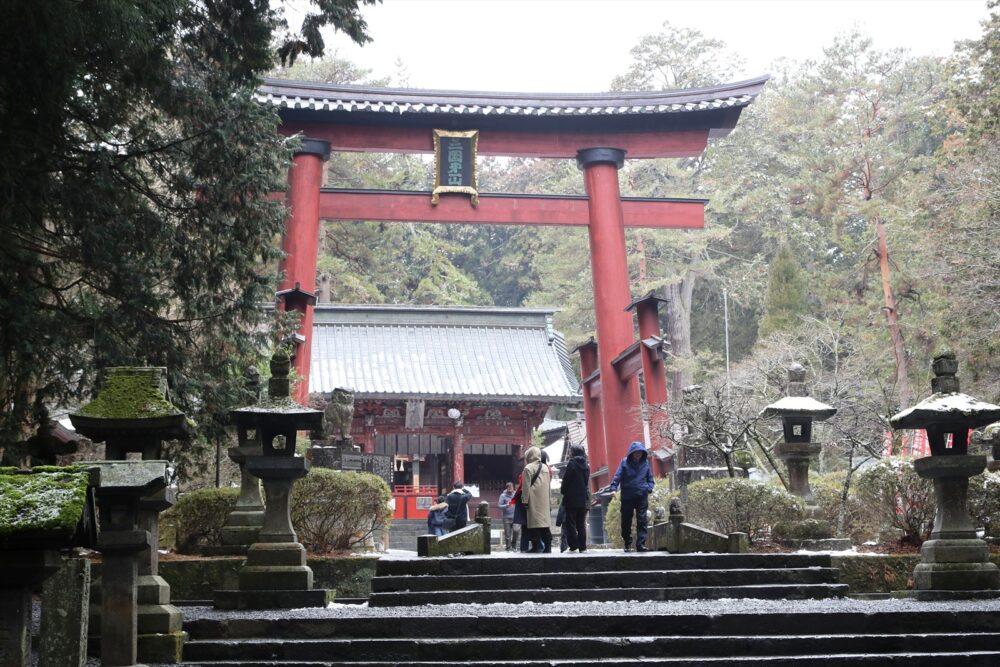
{"points": [[580, 45]]}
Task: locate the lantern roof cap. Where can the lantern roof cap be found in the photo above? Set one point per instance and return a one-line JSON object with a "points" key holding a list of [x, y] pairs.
{"points": [[947, 406], [804, 406], [947, 409]]}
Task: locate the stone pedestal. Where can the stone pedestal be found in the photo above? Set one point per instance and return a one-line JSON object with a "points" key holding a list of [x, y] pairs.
{"points": [[243, 523], [20, 571], [954, 561], [121, 550], [65, 599], [161, 638], [275, 575], [797, 456]]}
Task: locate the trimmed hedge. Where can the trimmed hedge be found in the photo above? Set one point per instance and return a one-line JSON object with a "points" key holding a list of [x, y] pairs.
{"points": [[333, 510], [740, 505], [197, 518]]}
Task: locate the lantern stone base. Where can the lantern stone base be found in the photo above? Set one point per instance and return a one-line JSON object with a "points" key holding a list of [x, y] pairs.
{"points": [[275, 576], [161, 648]]}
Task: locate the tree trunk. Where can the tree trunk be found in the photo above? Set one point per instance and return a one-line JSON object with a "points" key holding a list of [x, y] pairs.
{"points": [[892, 320], [679, 297]]}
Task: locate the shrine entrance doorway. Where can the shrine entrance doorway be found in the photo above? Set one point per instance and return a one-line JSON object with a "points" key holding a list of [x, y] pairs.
{"points": [[598, 131]]}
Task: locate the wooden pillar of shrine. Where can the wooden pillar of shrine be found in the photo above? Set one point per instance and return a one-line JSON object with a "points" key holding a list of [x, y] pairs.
{"points": [[301, 245], [620, 403]]}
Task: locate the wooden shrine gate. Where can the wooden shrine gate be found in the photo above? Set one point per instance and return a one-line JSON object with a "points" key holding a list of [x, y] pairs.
{"points": [[597, 131]]}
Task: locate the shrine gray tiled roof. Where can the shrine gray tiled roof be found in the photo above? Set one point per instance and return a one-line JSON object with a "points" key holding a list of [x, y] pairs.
{"points": [[316, 96], [489, 354]]}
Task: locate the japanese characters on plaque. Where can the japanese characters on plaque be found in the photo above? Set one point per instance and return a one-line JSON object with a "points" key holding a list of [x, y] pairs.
{"points": [[455, 164]]}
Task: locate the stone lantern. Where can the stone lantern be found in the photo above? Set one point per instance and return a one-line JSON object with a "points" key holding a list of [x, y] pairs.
{"points": [[798, 411], [41, 515], [954, 562], [131, 414], [275, 575], [244, 521]]}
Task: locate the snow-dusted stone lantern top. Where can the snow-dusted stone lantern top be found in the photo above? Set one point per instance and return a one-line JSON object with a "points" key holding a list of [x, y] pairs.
{"points": [[954, 559], [798, 411]]}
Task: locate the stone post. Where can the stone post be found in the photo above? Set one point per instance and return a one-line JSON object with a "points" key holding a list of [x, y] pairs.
{"points": [[65, 602], [483, 519]]}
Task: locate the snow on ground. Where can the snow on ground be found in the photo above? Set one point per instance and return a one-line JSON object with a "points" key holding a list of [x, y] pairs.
{"points": [[681, 607]]}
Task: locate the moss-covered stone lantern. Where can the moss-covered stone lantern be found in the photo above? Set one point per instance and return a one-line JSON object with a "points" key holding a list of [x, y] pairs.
{"points": [[131, 414], [275, 575], [954, 561], [42, 512]]}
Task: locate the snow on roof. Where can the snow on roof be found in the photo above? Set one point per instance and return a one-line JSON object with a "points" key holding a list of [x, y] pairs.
{"points": [[799, 405], [953, 407]]}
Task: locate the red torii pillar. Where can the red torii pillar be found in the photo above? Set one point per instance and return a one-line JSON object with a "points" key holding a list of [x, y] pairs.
{"points": [[654, 371], [594, 419], [300, 243], [620, 402]]}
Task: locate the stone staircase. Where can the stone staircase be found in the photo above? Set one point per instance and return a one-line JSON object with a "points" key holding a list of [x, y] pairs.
{"points": [[404, 623], [403, 533], [603, 577]]}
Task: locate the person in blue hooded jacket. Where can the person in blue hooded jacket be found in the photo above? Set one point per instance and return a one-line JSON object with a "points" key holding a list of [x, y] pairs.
{"points": [[635, 479]]}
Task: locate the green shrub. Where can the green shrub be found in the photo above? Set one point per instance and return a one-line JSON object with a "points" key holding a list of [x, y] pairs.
{"points": [[807, 529], [828, 490], [896, 497], [984, 502], [334, 510], [197, 518], [659, 498], [740, 505]]}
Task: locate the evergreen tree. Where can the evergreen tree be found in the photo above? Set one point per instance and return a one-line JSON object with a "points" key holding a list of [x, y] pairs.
{"points": [[134, 169], [785, 302]]}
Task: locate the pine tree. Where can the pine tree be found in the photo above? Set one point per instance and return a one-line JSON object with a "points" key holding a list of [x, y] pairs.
{"points": [[785, 302]]}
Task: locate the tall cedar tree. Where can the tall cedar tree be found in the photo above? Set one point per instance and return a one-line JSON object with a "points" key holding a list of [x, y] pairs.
{"points": [[786, 294], [134, 168]]}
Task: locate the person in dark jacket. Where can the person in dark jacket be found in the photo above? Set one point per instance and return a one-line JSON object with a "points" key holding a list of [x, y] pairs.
{"points": [[635, 479], [575, 489], [458, 501], [435, 517]]}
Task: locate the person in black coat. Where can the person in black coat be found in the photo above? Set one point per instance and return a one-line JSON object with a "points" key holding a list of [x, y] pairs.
{"points": [[576, 498]]}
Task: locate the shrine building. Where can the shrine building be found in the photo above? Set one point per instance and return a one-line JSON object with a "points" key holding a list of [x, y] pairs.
{"points": [[449, 392]]}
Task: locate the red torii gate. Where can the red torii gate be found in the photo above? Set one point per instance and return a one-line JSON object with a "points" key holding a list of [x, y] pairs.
{"points": [[596, 130]]}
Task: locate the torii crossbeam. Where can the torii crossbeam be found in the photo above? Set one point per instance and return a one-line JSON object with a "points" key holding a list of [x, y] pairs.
{"points": [[598, 131]]}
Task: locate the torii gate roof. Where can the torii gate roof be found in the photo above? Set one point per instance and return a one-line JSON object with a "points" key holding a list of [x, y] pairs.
{"points": [[714, 108]]}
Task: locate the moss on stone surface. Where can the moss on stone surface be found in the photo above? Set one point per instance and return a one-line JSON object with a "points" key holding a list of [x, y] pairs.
{"points": [[36, 502], [131, 393]]}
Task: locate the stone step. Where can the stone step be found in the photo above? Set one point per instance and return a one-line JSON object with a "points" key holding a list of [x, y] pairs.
{"points": [[479, 651], [593, 562], [645, 594], [905, 659], [595, 580], [419, 626]]}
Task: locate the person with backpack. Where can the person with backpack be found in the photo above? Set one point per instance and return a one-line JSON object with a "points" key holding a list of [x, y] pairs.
{"points": [[435, 517], [635, 479]]}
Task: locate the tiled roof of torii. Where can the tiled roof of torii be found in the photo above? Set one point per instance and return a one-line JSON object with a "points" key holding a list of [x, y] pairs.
{"points": [[431, 352], [314, 96]]}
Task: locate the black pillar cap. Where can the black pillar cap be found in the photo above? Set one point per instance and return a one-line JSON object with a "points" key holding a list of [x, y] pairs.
{"points": [[314, 147], [589, 156]]}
